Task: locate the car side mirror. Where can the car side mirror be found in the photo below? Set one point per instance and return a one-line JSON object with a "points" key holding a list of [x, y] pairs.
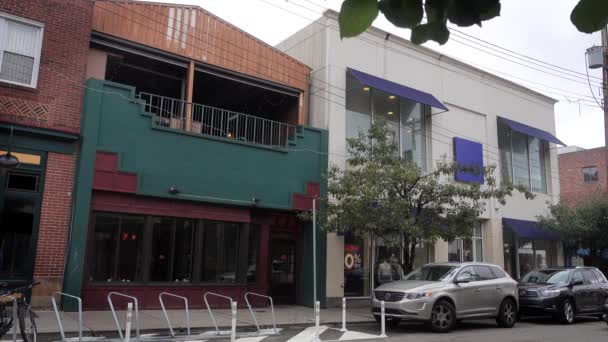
{"points": [[464, 278], [577, 282]]}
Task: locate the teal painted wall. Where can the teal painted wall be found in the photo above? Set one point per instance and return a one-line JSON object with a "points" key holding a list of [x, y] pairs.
{"points": [[204, 169]]}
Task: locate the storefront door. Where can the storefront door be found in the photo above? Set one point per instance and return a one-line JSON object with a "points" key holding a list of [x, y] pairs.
{"points": [[283, 270]]}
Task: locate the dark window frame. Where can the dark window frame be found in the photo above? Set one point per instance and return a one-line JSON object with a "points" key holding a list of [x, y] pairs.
{"points": [[591, 176]]}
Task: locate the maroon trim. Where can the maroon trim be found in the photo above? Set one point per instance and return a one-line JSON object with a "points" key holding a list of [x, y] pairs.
{"points": [[303, 202], [107, 177], [136, 204]]}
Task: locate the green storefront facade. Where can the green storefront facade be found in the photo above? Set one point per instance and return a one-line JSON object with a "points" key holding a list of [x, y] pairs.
{"points": [[162, 209]]}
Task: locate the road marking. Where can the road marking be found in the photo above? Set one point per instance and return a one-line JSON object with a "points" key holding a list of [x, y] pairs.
{"points": [[354, 335], [251, 339], [307, 334]]}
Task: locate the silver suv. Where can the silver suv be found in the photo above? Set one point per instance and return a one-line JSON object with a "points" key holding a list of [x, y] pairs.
{"points": [[443, 293]]}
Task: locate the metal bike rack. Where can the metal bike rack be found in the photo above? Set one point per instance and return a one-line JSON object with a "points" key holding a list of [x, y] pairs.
{"points": [[217, 329], [54, 302], [274, 321], [134, 300], [162, 305]]}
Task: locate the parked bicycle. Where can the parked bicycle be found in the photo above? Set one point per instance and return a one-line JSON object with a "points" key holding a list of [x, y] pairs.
{"points": [[25, 315]]}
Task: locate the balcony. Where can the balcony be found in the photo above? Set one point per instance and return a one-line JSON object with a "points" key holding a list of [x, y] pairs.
{"points": [[217, 122]]}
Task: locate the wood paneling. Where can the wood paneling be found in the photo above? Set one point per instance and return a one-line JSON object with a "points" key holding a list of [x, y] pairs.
{"points": [[191, 32]]}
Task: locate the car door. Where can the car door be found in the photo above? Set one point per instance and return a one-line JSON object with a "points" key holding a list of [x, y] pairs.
{"points": [[487, 287], [580, 291], [596, 297], [466, 295]]}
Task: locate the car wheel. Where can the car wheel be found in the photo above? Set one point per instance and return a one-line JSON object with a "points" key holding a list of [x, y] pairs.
{"points": [[507, 314], [391, 322], [567, 312], [604, 306], [443, 317]]}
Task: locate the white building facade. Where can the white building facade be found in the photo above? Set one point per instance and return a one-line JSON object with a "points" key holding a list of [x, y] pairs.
{"points": [[436, 106]]}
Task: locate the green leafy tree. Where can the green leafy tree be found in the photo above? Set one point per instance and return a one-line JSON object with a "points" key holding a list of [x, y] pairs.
{"points": [[380, 194], [586, 220], [357, 15]]}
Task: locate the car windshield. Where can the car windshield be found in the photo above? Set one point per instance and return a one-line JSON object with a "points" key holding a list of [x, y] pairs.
{"points": [[546, 277], [431, 273]]}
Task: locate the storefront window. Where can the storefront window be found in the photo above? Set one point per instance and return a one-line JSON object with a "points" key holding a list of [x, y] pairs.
{"points": [[388, 263], [464, 250], [356, 267], [252, 253], [172, 246], [220, 252], [405, 118]]}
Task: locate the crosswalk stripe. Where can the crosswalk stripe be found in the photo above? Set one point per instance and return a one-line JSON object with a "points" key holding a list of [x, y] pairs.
{"points": [[307, 334], [251, 339], [354, 335]]}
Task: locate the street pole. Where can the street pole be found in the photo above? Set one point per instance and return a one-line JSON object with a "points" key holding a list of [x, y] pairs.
{"points": [[605, 98], [314, 248]]}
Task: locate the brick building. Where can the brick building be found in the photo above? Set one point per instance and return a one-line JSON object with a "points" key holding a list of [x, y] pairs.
{"points": [[582, 173], [43, 54]]}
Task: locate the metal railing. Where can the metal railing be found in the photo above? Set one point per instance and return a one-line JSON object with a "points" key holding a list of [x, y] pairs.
{"points": [[255, 321], [217, 122]]}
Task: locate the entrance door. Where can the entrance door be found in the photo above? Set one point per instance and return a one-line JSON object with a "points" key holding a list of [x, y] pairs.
{"points": [[283, 271]]}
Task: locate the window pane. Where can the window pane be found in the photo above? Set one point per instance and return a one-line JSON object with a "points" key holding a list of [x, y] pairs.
{"points": [[210, 251], [538, 177], [541, 249], [600, 276], [162, 229], [526, 256], [386, 106], [229, 243], [358, 107], [104, 247], [576, 276], [412, 131], [478, 249], [183, 250], [252, 253], [521, 171], [484, 272], [589, 277], [21, 38], [24, 182], [590, 174], [130, 249], [16, 226], [504, 145], [16, 68], [467, 250], [454, 251], [498, 273]]}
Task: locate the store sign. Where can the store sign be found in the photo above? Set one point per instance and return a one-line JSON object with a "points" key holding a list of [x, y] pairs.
{"points": [[352, 257]]}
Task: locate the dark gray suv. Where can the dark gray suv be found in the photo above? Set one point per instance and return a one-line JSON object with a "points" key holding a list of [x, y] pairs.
{"points": [[443, 293]]}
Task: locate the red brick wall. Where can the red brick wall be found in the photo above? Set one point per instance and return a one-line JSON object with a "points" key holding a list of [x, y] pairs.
{"points": [[572, 185], [56, 101]]}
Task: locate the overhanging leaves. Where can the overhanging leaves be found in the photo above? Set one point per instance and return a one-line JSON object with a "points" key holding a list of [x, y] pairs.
{"points": [[433, 31], [590, 15], [356, 16], [402, 13]]}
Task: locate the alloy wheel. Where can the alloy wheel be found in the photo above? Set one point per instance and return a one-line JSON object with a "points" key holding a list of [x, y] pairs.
{"points": [[509, 313], [441, 317], [568, 312]]}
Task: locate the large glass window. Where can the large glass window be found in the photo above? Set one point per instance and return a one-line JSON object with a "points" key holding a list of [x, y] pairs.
{"points": [[132, 248], [252, 253], [522, 159], [356, 267], [405, 117], [590, 174], [461, 250]]}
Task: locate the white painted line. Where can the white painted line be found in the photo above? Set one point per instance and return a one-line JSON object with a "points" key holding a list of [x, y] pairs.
{"points": [[354, 335], [251, 339], [307, 334]]}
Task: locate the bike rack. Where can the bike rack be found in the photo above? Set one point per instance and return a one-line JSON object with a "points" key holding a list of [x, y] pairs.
{"points": [[217, 329], [162, 305], [54, 302], [274, 321], [134, 300]]}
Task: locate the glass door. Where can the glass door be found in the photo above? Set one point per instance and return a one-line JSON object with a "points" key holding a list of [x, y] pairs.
{"points": [[283, 270]]}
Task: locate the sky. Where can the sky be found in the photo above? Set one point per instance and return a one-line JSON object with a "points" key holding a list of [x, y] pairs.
{"points": [[540, 29]]}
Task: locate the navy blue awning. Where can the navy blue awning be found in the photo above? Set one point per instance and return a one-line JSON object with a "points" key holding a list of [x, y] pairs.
{"points": [[398, 89], [530, 230], [531, 131]]}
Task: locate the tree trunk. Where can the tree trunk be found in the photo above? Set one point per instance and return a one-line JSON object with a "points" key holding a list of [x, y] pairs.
{"points": [[409, 254]]}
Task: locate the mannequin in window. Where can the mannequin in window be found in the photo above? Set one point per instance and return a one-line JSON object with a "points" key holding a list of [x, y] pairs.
{"points": [[385, 272]]}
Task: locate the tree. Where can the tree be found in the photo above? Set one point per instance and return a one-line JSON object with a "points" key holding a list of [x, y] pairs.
{"points": [[586, 220], [380, 194], [357, 15]]}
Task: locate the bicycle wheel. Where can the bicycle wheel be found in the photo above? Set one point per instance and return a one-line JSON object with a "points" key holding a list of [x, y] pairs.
{"points": [[27, 324]]}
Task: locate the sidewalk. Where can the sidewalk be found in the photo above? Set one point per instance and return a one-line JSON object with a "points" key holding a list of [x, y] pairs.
{"points": [[153, 320]]}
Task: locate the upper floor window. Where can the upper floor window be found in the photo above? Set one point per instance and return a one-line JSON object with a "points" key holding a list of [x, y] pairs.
{"points": [[405, 118], [590, 174], [522, 159], [470, 249], [20, 46]]}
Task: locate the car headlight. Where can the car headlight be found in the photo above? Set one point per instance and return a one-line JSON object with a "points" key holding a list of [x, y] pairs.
{"points": [[550, 293], [418, 295]]}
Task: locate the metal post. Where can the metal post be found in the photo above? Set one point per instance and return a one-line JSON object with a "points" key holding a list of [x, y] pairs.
{"points": [[317, 321], [314, 248], [382, 320], [233, 326], [343, 315], [15, 320], [128, 324]]}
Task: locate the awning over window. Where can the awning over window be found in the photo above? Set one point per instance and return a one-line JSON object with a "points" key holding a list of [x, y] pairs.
{"points": [[531, 131], [397, 89], [530, 230]]}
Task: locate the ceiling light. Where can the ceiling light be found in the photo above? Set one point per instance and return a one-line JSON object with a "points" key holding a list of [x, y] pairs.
{"points": [[365, 88], [390, 113], [392, 97]]}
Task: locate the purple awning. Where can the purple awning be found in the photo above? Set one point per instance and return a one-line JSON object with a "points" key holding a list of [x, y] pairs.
{"points": [[531, 131], [397, 89], [530, 230]]}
